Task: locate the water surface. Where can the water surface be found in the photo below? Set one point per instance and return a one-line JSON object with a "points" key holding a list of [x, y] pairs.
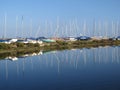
{"points": [[77, 69]]}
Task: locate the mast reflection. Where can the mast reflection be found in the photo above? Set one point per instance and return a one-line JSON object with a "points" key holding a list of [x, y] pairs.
{"points": [[60, 60]]}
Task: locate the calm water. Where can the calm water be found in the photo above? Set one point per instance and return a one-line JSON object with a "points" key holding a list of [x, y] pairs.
{"points": [[80, 69]]}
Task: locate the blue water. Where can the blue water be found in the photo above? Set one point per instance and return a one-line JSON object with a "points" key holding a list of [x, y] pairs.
{"points": [[79, 69]]}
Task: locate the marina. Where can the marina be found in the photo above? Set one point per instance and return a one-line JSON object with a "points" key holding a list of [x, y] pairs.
{"points": [[59, 45]]}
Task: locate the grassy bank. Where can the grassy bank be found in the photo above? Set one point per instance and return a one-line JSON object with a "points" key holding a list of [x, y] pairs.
{"points": [[17, 49]]}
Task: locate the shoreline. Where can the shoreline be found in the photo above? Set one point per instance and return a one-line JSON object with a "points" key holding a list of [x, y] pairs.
{"points": [[17, 49]]}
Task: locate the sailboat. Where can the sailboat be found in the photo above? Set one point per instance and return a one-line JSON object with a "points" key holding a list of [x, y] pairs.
{"points": [[12, 58], [48, 40]]}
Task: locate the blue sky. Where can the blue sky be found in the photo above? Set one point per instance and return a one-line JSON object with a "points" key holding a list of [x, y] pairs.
{"points": [[42, 10]]}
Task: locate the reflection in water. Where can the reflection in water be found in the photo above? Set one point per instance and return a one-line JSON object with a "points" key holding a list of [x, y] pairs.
{"points": [[17, 66], [36, 66], [75, 58], [58, 61], [11, 58], [6, 66]]}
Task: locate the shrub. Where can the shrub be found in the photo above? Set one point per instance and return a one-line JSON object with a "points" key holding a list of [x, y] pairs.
{"points": [[5, 46], [20, 44]]}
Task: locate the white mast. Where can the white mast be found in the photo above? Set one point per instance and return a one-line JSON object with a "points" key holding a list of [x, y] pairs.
{"points": [[70, 28], [5, 18], [36, 35], [31, 28], [16, 26], [117, 28], [94, 28], [106, 28], [66, 30], [76, 27], [51, 27], [22, 27], [57, 28], [113, 33], [99, 28], [46, 28], [84, 28]]}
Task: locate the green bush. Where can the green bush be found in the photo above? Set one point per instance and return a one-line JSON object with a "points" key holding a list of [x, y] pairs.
{"points": [[36, 45], [20, 44], [5, 46], [61, 42], [30, 45]]}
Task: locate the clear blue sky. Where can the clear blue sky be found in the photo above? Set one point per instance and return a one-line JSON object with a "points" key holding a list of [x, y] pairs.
{"points": [[41, 10]]}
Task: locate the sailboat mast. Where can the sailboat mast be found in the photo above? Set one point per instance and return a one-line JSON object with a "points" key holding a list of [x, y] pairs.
{"points": [[113, 34], [94, 27], [31, 28], [106, 28], [57, 28], [84, 28], [117, 28], [5, 18], [16, 26], [22, 26], [99, 28]]}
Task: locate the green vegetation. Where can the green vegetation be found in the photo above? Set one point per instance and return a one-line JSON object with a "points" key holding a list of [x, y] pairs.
{"points": [[17, 49]]}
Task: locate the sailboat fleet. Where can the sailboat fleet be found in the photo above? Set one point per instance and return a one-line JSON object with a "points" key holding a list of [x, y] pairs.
{"points": [[72, 32]]}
